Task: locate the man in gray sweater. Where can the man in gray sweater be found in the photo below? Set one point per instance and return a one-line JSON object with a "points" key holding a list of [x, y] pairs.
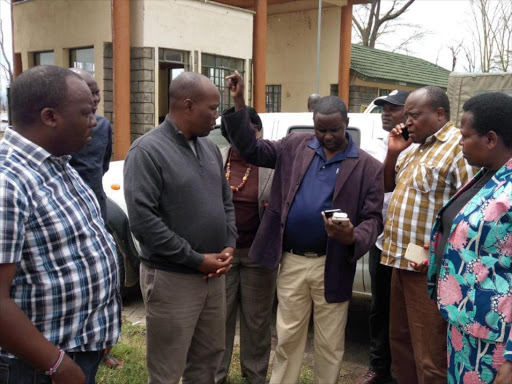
{"points": [[180, 210]]}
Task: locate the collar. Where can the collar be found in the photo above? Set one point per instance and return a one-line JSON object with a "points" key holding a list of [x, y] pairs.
{"points": [[174, 132], [444, 134], [350, 151], [34, 154]]}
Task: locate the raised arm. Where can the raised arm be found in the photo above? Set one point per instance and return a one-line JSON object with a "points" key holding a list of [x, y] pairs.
{"points": [[263, 153], [396, 145]]}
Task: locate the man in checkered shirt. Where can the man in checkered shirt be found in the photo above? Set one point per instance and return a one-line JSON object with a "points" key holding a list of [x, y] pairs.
{"points": [[59, 288], [422, 181]]}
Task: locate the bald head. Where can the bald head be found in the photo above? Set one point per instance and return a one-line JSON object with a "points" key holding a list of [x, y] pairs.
{"points": [[188, 85], [312, 100], [91, 83], [193, 104]]}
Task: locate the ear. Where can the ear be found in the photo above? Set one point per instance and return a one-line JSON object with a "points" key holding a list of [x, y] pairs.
{"points": [[492, 139], [189, 105], [49, 117], [441, 113]]}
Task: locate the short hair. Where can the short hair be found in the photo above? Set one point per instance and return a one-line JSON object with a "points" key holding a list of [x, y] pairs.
{"points": [[44, 86], [438, 98], [328, 105], [188, 85], [492, 111], [254, 118]]}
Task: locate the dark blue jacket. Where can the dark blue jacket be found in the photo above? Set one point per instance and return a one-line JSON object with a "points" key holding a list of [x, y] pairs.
{"points": [[93, 160]]}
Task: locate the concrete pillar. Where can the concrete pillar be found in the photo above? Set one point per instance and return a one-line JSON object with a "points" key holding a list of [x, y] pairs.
{"points": [[345, 46], [121, 74], [259, 54]]}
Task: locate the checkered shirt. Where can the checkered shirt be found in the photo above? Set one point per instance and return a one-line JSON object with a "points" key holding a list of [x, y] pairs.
{"points": [[66, 280], [426, 178]]}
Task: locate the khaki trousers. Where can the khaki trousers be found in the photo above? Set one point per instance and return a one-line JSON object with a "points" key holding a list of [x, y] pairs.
{"points": [[185, 333], [417, 331], [300, 285]]}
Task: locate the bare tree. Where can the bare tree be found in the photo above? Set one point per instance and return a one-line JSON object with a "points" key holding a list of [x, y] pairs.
{"points": [[5, 62], [455, 50], [492, 35], [371, 21]]}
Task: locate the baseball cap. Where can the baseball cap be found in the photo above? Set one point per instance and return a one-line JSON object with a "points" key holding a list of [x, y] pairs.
{"points": [[396, 97]]}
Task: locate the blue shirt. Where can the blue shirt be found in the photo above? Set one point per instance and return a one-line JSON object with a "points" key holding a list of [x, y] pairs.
{"points": [[93, 160], [305, 229], [66, 279]]}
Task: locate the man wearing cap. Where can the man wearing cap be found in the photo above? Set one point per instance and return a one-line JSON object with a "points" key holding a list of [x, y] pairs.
{"points": [[380, 354]]}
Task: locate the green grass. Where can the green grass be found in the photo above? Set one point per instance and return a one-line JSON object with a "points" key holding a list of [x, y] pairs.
{"points": [[131, 349]]}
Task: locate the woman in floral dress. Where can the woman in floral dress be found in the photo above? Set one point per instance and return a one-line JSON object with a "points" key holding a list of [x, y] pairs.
{"points": [[470, 266]]}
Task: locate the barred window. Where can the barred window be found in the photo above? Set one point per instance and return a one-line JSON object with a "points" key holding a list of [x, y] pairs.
{"points": [[216, 68], [273, 98]]}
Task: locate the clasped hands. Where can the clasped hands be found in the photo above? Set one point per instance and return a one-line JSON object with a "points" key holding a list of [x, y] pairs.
{"points": [[217, 264]]}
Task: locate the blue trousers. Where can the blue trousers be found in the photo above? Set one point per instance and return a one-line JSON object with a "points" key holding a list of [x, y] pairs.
{"points": [[16, 371]]}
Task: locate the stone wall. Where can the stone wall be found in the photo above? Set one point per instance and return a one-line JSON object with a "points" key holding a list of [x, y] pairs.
{"points": [[142, 91], [359, 95]]}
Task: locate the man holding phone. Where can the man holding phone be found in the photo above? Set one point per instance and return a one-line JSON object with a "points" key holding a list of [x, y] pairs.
{"points": [[313, 173], [380, 354], [422, 181]]}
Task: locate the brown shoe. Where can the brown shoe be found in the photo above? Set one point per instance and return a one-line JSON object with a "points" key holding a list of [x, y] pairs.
{"points": [[369, 377]]}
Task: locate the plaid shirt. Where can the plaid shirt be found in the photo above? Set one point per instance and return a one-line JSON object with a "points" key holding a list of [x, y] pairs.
{"points": [[426, 178], [66, 280]]}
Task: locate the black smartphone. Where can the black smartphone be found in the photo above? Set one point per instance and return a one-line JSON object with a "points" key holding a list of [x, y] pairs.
{"points": [[405, 133], [329, 212]]}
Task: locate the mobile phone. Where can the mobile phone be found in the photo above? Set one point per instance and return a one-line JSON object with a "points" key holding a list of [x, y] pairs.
{"points": [[340, 218], [329, 212], [416, 253], [405, 133]]}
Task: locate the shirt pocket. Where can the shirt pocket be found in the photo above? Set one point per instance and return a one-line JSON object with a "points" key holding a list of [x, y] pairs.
{"points": [[426, 177]]}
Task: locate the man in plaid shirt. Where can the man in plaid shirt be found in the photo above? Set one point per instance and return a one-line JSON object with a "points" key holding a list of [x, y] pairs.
{"points": [[59, 288], [422, 182]]}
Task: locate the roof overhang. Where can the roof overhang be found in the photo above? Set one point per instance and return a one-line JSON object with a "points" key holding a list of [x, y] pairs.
{"points": [[283, 6]]}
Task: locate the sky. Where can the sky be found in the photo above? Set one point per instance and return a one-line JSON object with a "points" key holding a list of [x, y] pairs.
{"points": [[447, 22]]}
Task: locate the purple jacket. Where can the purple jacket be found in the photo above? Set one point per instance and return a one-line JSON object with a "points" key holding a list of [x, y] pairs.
{"points": [[359, 192]]}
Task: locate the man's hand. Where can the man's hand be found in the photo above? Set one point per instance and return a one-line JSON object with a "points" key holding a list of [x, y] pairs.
{"points": [[397, 143], [504, 375], [68, 372], [342, 232], [236, 86], [423, 267], [216, 264]]}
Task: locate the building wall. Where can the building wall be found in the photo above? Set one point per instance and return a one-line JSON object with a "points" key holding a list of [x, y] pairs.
{"points": [[296, 34], [41, 25], [194, 26]]}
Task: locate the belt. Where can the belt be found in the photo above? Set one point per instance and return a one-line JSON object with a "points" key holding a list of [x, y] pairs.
{"points": [[307, 254]]}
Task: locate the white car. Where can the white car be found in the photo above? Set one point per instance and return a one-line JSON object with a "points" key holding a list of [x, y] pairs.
{"points": [[363, 128]]}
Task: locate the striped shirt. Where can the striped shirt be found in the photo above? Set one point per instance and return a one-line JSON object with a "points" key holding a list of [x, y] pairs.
{"points": [[426, 178], [66, 280]]}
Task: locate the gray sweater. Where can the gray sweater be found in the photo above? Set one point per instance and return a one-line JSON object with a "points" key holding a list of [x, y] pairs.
{"points": [[179, 204]]}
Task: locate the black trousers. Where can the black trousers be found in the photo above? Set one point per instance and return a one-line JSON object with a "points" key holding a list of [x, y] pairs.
{"points": [[380, 354]]}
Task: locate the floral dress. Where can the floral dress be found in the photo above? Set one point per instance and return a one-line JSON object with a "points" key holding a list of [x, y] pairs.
{"points": [[474, 285]]}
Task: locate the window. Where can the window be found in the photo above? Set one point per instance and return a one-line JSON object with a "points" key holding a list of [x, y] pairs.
{"points": [[44, 58], [273, 98], [216, 68], [82, 58], [334, 90], [384, 92]]}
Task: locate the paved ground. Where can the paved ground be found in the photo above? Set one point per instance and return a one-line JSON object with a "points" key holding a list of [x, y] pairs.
{"points": [[356, 347]]}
